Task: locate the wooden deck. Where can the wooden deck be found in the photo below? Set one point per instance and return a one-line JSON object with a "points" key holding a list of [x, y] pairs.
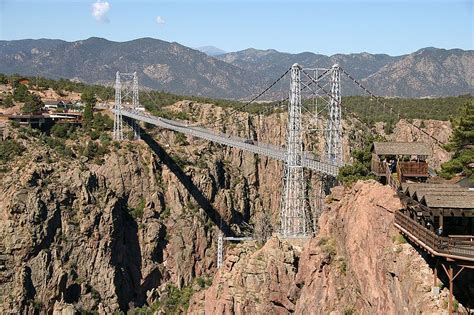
{"points": [[455, 247]]}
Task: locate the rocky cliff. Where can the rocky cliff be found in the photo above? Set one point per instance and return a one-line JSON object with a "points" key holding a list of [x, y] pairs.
{"points": [[355, 265], [110, 233], [122, 230]]}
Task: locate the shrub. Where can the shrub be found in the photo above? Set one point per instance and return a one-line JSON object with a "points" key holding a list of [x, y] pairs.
{"points": [[9, 149], [7, 102], [399, 239], [328, 245], [174, 301], [181, 139], [62, 130], [137, 212]]}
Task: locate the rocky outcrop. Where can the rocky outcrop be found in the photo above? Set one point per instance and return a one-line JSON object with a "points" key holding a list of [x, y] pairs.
{"points": [[109, 234], [104, 237], [354, 265]]}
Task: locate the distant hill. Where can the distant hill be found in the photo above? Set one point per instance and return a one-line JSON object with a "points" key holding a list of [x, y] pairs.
{"points": [[426, 72], [179, 69], [211, 51], [161, 65]]}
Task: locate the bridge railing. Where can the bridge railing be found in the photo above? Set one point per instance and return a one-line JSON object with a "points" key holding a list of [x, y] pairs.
{"points": [[453, 247], [229, 140]]}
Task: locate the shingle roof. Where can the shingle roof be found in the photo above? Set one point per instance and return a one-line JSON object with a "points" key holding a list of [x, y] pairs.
{"points": [[448, 196], [458, 202], [401, 148], [411, 188]]}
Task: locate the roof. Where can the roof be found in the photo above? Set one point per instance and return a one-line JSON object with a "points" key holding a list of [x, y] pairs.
{"points": [[448, 196], [401, 148], [452, 202], [410, 188]]}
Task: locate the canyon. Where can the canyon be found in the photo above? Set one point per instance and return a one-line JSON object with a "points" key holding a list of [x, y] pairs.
{"points": [[123, 231]]}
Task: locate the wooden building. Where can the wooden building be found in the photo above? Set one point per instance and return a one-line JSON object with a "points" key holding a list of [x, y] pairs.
{"points": [[446, 209], [439, 219], [400, 161]]}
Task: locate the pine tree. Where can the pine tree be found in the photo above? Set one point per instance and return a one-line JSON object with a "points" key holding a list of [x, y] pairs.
{"points": [[462, 144], [88, 117], [33, 104]]}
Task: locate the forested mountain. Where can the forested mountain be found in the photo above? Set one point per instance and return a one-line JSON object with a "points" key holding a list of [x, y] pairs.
{"points": [[176, 68]]}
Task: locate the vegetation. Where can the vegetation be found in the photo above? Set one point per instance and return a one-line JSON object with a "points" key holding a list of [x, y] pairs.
{"points": [[9, 149], [63, 130], [33, 104], [360, 168], [7, 101], [154, 101], [369, 111], [20, 92], [173, 301], [88, 97], [399, 239], [137, 212], [462, 144], [328, 245]]}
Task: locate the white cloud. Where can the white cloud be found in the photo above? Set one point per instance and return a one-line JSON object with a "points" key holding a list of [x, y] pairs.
{"points": [[160, 20], [100, 9]]}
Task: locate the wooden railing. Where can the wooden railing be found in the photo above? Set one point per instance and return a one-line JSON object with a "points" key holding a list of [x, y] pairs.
{"points": [[377, 167], [453, 247], [415, 169]]}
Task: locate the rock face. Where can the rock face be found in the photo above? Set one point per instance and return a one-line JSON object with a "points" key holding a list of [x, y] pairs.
{"points": [[110, 234], [353, 266], [104, 236]]}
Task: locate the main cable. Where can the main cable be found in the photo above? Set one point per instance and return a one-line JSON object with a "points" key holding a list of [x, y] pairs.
{"points": [[379, 101]]}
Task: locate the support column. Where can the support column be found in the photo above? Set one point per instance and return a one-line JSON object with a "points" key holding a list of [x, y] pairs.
{"points": [[441, 224], [135, 104], [118, 121], [435, 273], [220, 249], [293, 213], [451, 276], [333, 132]]}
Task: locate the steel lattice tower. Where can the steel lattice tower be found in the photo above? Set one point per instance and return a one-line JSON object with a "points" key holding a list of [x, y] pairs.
{"points": [[293, 214], [125, 89], [333, 132], [118, 123]]}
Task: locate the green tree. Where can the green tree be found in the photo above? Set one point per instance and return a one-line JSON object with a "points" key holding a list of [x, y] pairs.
{"points": [[62, 130], [360, 168], [20, 93], [89, 98], [462, 144], [33, 104], [9, 149], [3, 79], [7, 102]]}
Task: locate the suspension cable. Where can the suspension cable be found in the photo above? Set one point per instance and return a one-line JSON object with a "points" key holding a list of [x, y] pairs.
{"points": [[379, 101], [240, 108]]}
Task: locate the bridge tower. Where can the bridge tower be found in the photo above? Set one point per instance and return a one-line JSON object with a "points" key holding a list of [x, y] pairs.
{"points": [[118, 121], [333, 132], [126, 88], [293, 209]]}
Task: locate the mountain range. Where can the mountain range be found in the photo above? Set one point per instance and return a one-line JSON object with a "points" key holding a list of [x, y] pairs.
{"points": [[172, 67]]}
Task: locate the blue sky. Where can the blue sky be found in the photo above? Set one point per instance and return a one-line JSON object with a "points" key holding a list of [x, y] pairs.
{"points": [[327, 27]]}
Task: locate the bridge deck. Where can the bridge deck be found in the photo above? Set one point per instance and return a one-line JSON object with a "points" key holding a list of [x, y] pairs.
{"points": [[265, 149]]}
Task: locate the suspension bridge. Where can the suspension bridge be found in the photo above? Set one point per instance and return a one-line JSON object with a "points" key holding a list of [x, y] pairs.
{"points": [[322, 84]]}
